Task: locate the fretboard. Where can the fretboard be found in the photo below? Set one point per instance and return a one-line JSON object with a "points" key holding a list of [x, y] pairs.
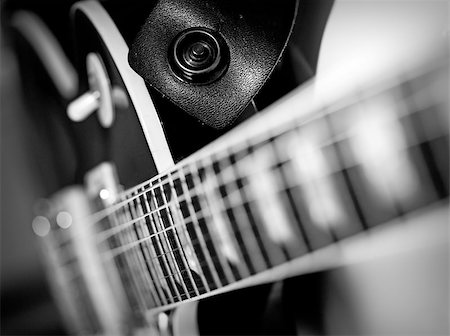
{"points": [[248, 204]]}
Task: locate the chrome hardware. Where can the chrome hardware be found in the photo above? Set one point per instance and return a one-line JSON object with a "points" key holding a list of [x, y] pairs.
{"points": [[100, 97]]}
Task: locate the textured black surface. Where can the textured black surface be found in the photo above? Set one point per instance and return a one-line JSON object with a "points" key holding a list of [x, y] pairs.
{"points": [[256, 33]]}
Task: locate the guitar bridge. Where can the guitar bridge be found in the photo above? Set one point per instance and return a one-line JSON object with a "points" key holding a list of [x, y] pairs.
{"points": [[102, 184]]}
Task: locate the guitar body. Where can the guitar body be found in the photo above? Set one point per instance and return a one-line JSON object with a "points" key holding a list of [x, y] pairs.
{"points": [[127, 142], [150, 137], [180, 135]]}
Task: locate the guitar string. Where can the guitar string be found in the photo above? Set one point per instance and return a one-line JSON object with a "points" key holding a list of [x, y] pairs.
{"points": [[191, 292], [200, 237], [150, 249], [157, 185], [392, 83], [346, 101], [128, 200], [182, 252], [115, 230], [229, 195], [169, 228], [103, 235], [205, 211], [187, 236], [152, 184], [349, 99], [202, 265]]}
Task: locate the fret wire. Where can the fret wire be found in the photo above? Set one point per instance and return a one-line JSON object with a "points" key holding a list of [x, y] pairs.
{"points": [[336, 138], [165, 242], [313, 231], [157, 273], [112, 272], [291, 182], [273, 250], [186, 233], [298, 236], [224, 172], [204, 263], [139, 189], [196, 225], [436, 172], [175, 237], [121, 267], [138, 259], [123, 248], [104, 235], [250, 240], [398, 108], [412, 105], [199, 189], [161, 258], [135, 234], [400, 119], [405, 150], [342, 102], [300, 120], [213, 211], [120, 250], [350, 194], [227, 172], [135, 211], [128, 258], [366, 101], [216, 258], [154, 257], [160, 298], [130, 288], [176, 208], [169, 256], [109, 232], [324, 144], [273, 256]]}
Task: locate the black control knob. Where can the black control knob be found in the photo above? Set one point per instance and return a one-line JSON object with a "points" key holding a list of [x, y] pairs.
{"points": [[199, 56]]}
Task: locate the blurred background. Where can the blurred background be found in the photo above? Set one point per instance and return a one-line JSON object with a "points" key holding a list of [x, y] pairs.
{"points": [[26, 306]]}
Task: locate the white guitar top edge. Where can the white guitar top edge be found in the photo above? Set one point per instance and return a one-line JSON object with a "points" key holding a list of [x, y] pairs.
{"points": [[140, 97]]}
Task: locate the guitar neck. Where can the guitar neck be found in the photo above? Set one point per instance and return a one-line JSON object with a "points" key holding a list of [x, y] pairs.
{"points": [[269, 195]]}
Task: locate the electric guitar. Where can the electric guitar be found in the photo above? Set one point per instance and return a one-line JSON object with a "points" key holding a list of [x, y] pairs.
{"points": [[314, 181]]}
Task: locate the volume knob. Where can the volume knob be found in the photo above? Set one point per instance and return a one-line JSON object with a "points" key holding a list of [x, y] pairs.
{"points": [[83, 106], [100, 97]]}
